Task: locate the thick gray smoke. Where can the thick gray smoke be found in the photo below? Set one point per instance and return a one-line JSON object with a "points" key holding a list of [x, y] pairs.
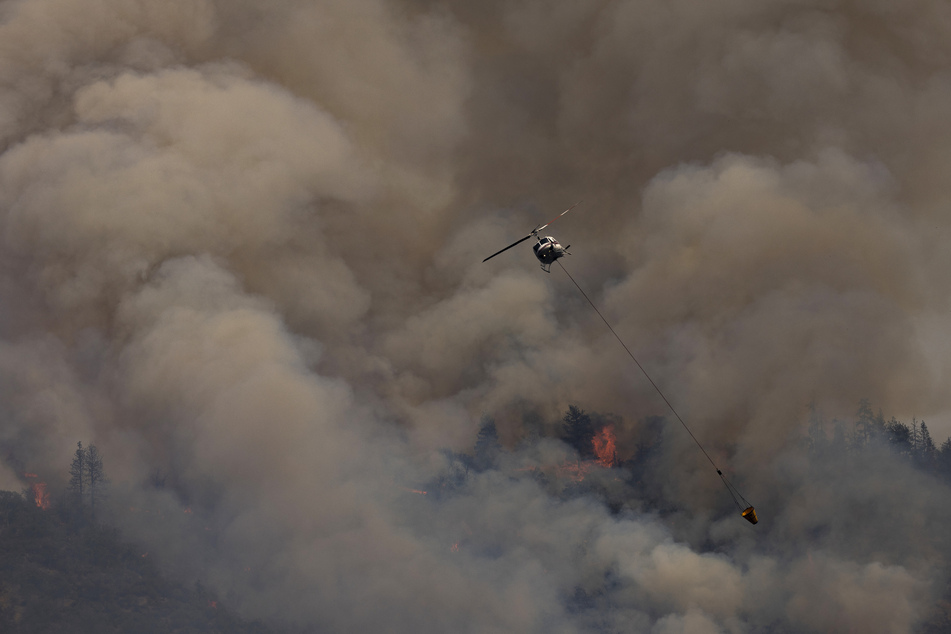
{"points": [[241, 255]]}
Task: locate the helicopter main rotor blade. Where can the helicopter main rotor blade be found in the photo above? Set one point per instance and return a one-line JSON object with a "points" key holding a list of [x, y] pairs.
{"points": [[509, 246], [557, 217]]}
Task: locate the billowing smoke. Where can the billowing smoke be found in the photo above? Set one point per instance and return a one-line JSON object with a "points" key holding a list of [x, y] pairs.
{"points": [[242, 249]]}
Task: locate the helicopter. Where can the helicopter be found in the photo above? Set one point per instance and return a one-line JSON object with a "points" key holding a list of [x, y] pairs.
{"points": [[546, 249]]}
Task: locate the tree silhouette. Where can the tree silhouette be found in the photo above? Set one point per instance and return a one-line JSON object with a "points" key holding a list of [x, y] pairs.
{"points": [[87, 480], [864, 422], [878, 426], [78, 476], [943, 459], [578, 431], [840, 442], [925, 449], [487, 447], [899, 436]]}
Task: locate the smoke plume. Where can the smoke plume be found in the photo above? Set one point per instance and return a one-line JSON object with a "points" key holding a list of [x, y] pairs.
{"points": [[241, 255]]}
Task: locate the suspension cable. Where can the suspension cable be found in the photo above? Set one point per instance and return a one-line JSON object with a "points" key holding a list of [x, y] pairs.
{"points": [[734, 493]]}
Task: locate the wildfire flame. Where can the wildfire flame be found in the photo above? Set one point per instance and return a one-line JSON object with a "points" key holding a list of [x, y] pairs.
{"points": [[455, 547], [41, 495], [605, 447]]}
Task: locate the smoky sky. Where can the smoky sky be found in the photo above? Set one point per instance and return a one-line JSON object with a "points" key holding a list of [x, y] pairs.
{"points": [[241, 254]]}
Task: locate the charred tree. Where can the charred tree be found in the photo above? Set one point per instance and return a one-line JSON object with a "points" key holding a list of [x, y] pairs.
{"points": [[87, 482]]}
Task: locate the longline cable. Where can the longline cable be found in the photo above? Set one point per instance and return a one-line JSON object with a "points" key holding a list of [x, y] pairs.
{"points": [[729, 486]]}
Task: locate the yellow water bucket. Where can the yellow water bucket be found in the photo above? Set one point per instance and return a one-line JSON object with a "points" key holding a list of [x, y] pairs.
{"points": [[750, 515]]}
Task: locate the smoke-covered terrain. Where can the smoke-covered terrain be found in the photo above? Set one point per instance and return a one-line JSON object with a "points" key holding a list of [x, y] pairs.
{"points": [[241, 254]]}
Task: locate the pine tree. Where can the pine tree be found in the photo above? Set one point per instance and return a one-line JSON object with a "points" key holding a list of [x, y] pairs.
{"points": [[864, 421], [943, 459], [578, 431], [899, 436], [87, 480], [78, 476], [487, 445], [878, 427], [926, 447], [840, 442]]}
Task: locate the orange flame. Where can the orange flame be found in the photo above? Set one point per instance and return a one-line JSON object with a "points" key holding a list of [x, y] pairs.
{"points": [[605, 447], [26, 474], [41, 495], [455, 547]]}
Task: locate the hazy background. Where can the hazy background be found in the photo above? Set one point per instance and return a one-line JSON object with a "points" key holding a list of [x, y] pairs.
{"points": [[241, 254]]}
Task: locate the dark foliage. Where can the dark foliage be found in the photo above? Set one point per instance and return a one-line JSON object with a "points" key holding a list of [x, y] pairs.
{"points": [[579, 431], [487, 447], [87, 483], [911, 442], [54, 579]]}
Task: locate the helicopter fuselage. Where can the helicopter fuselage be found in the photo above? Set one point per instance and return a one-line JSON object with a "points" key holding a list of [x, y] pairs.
{"points": [[547, 250]]}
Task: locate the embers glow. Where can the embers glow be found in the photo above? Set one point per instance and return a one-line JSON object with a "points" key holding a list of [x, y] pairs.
{"points": [[605, 447], [41, 495], [575, 471]]}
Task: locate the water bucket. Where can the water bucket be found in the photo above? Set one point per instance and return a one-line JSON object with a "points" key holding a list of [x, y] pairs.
{"points": [[750, 515]]}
